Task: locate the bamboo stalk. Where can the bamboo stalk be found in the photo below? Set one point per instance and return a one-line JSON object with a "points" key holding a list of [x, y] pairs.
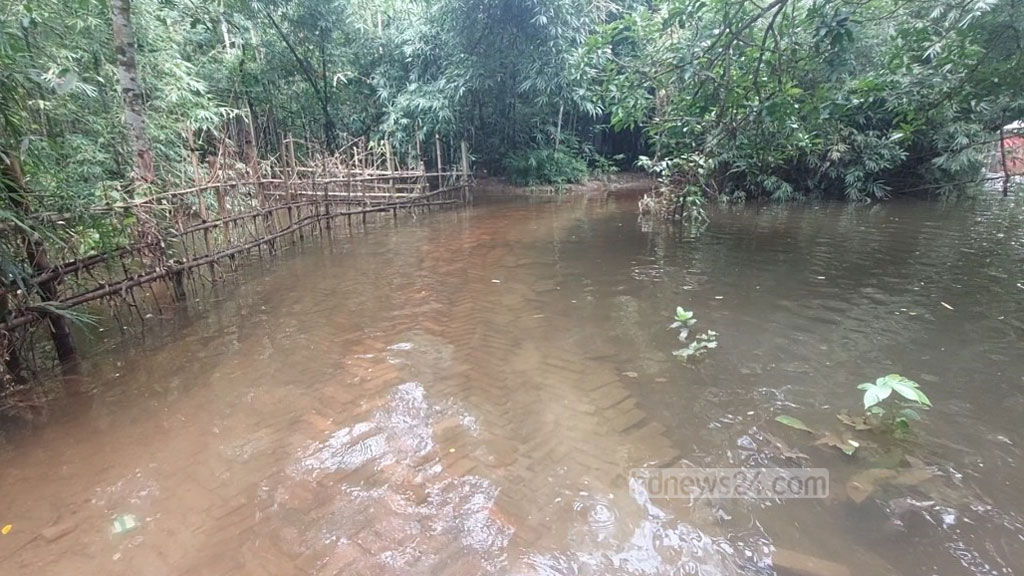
{"points": [[440, 161], [204, 214]]}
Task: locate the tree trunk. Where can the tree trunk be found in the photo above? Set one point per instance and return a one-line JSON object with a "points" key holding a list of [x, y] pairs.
{"points": [[330, 130], [13, 184], [131, 92]]}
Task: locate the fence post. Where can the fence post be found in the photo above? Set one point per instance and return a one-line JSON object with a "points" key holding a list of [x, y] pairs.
{"points": [[290, 187], [440, 162], [421, 180], [254, 171], [222, 203], [391, 181], [465, 171], [204, 214]]}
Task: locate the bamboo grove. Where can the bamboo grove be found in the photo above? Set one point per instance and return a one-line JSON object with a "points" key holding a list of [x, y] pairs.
{"points": [[854, 98]]}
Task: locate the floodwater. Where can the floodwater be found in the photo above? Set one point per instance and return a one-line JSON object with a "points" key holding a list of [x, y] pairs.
{"points": [[467, 392]]}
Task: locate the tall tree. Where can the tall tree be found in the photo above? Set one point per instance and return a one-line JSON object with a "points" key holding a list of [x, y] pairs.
{"points": [[131, 91]]}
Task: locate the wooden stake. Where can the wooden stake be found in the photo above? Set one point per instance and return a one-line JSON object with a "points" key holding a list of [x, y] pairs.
{"points": [[440, 161], [387, 151], [465, 171], [254, 172], [289, 154], [421, 181], [204, 214]]}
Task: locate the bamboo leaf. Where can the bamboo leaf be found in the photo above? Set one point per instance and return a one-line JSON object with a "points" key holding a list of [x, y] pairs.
{"points": [[792, 422]]}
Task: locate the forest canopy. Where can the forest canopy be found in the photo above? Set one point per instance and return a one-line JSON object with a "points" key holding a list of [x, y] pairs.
{"points": [[861, 99]]}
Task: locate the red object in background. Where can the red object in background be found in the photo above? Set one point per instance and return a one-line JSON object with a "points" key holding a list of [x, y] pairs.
{"points": [[1014, 154]]}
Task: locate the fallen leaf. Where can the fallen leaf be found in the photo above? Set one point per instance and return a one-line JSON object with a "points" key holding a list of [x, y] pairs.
{"points": [[792, 423], [846, 445], [857, 422], [6, 529]]}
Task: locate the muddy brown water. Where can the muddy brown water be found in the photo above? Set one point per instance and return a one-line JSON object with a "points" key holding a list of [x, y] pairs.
{"points": [[466, 393]]}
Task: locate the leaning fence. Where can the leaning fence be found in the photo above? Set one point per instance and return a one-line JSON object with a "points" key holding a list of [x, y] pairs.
{"points": [[196, 234]]}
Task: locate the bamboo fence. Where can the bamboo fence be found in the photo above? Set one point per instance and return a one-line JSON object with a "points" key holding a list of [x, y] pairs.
{"points": [[228, 214]]}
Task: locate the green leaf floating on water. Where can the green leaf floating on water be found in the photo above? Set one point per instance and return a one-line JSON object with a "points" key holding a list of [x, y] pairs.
{"points": [[793, 423]]}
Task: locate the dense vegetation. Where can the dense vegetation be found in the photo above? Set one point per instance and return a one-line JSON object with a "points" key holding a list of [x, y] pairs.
{"points": [[785, 98], [734, 98]]}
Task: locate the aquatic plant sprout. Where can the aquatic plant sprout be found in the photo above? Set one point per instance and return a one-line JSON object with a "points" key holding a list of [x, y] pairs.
{"points": [[914, 399], [700, 344]]}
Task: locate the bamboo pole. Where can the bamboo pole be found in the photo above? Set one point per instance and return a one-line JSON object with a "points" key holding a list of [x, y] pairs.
{"points": [[387, 151], [204, 213], [422, 166], [290, 183], [465, 171], [254, 172], [440, 161]]}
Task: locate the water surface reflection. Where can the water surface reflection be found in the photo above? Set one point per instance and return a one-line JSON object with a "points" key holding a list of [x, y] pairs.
{"points": [[466, 394]]}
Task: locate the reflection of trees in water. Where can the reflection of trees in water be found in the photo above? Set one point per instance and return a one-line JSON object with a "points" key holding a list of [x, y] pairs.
{"points": [[819, 297]]}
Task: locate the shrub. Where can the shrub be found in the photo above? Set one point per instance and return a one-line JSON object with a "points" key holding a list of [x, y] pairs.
{"points": [[539, 166]]}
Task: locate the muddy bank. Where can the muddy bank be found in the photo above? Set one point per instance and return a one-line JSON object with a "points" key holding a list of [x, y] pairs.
{"points": [[488, 187]]}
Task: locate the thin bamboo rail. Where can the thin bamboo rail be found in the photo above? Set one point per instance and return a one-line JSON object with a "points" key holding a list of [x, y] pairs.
{"points": [[32, 314]]}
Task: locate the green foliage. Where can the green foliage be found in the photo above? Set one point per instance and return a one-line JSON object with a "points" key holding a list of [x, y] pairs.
{"points": [[736, 99], [898, 417], [679, 192], [700, 344], [880, 415], [684, 318], [783, 99], [540, 166], [602, 167]]}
